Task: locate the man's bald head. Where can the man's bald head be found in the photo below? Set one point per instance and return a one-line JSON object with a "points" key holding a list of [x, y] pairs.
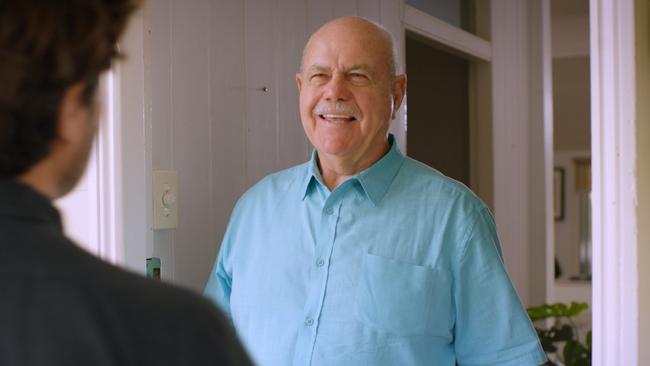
{"points": [[370, 33]]}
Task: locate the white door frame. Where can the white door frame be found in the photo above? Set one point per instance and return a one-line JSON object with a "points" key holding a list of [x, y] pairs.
{"points": [[444, 33], [125, 156], [614, 235]]}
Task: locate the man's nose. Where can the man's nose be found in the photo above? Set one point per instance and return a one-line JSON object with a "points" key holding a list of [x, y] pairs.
{"points": [[337, 88]]}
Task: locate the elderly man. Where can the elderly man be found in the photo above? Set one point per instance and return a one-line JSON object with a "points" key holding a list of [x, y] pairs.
{"points": [[58, 304], [362, 256]]}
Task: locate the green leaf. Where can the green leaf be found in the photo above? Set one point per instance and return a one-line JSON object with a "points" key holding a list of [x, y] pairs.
{"points": [[562, 334], [576, 308], [575, 354], [541, 312]]}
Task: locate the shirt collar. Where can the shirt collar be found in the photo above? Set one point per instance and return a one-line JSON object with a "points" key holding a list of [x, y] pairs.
{"points": [[374, 181], [20, 200]]}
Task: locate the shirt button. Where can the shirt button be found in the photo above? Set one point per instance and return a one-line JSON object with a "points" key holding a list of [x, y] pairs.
{"points": [[329, 211], [309, 322], [320, 262]]}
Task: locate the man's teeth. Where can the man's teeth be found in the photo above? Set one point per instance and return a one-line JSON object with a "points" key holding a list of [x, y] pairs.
{"points": [[336, 116]]}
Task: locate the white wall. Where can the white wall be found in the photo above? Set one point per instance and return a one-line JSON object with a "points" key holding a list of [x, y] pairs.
{"points": [[209, 119], [520, 94], [80, 209]]}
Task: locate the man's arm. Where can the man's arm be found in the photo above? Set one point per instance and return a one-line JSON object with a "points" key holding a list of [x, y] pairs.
{"points": [[218, 287], [492, 326]]}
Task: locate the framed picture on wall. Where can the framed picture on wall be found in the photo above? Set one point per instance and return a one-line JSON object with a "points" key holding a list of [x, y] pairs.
{"points": [[558, 193]]}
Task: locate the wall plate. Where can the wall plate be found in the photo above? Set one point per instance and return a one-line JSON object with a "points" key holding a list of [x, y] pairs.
{"points": [[165, 199]]}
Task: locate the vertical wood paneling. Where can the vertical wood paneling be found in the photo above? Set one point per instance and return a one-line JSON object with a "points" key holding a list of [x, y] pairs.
{"points": [[510, 130], [369, 9], [191, 137], [227, 114], [391, 12], [159, 34], [261, 115], [343, 7], [161, 85], [318, 13], [293, 146]]}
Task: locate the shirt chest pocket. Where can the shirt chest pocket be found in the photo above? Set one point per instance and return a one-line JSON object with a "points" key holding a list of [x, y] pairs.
{"points": [[404, 299]]}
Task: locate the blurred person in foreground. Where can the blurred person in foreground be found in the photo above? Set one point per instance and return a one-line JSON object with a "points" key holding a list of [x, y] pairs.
{"points": [[362, 256], [58, 304]]}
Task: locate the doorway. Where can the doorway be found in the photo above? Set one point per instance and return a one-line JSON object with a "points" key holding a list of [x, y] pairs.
{"points": [[438, 108]]}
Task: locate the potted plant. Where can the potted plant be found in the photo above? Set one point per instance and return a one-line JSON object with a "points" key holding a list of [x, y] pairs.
{"points": [[561, 340]]}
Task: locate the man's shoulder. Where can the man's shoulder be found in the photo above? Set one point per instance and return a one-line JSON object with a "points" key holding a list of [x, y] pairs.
{"points": [[432, 184], [70, 292]]}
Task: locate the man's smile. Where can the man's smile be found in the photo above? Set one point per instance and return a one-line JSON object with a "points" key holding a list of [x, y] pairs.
{"points": [[336, 118]]}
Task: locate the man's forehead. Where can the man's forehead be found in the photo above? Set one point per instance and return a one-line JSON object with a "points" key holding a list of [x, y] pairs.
{"points": [[317, 67], [343, 53]]}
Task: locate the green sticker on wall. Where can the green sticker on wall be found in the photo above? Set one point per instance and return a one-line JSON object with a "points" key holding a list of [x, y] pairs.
{"points": [[153, 268]]}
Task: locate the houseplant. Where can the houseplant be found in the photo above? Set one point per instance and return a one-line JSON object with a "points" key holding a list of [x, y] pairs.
{"points": [[559, 334]]}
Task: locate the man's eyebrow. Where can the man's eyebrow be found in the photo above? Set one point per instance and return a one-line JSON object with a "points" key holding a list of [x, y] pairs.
{"points": [[318, 68]]}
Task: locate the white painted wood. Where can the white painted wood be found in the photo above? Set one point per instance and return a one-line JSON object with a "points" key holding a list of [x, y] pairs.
{"points": [[547, 100], [293, 147], [133, 144], [435, 29], [510, 93], [109, 228], [391, 16], [481, 179], [614, 236], [318, 13], [344, 7], [161, 99], [228, 117], [540, 150], [191, 139], [261, 29], [369, 9]]}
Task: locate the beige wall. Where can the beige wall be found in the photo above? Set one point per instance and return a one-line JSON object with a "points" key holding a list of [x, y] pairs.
{"points": [[571, 115], [642, 12]]}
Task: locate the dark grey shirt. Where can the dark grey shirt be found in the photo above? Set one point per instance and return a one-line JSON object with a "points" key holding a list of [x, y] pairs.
{"points": [[62, 306]]}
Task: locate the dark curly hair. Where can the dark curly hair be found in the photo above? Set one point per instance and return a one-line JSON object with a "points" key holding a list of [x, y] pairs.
{"points": [[45, 47]]}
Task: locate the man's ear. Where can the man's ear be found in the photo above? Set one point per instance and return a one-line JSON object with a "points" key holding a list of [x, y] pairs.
{"points": [[299, 82], [399, 90], [73, 112]]}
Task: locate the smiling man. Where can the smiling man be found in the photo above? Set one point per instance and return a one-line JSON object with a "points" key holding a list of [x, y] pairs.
{"points": [[362, 256]]}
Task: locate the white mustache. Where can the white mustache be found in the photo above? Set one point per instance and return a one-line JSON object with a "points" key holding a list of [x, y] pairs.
{"points": [[338, 107]]}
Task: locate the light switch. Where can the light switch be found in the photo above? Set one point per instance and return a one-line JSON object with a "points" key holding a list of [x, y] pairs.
{"points": [[165, 199]]}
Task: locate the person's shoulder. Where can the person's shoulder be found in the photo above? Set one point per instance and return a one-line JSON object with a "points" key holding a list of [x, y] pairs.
{"points": [[433, 184]]}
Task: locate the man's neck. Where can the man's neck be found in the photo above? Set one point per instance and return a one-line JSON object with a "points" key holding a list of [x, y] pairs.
{"points": [[336, 170], [40, 181]]}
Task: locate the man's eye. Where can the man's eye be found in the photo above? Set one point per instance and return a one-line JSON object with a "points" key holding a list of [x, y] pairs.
{"points": [[319, 76], [358, 77]]}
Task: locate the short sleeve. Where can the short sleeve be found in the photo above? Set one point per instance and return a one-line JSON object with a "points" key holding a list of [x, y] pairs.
{"points": [[219, 287], [492, 326]]}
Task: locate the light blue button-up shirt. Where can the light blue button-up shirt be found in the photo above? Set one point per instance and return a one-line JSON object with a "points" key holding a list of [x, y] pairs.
{"points": [[399, 265]]}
